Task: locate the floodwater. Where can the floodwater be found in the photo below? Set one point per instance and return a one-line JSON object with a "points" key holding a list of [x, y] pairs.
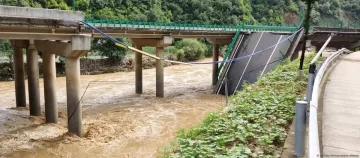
{"points": [[116, 121]]}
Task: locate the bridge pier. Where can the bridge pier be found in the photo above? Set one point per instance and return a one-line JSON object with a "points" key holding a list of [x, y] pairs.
{"points": [[216, 43], [215, 66], [138, 72], [72, 68], [160, 72], [79, 45], [19, 71], [33, 79], [159, 44], [49, 73]]}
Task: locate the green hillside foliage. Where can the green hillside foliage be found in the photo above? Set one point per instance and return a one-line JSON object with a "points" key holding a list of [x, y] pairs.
{"points": [[219, 12], [229, 12], [255, 123], [334, 12]]}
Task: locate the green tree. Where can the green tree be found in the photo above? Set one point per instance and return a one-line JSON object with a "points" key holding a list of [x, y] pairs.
{"points": [[189, 50], [107, 48], [6, 49]]}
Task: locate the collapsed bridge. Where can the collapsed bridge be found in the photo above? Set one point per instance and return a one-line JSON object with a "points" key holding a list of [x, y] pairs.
{"points": [[55, 32]]}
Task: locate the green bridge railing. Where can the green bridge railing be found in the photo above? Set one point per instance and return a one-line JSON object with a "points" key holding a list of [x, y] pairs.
{"points": [[176, 26], [325, 22]]}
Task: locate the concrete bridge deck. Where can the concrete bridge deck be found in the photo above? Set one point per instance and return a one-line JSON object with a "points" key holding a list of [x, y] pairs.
{"points": [[341, 109]]}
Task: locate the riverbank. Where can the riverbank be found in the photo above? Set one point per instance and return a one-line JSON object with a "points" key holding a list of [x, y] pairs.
{"points": [[88, 66], [117, 122]]}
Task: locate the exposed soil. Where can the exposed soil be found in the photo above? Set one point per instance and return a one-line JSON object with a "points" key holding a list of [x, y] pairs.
{"points": [[87, 67]]}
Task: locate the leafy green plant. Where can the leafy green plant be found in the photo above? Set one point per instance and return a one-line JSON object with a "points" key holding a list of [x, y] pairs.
{"points": [[188, 50], [108, 49], [6, 50], [151, 50], [254, 125]]}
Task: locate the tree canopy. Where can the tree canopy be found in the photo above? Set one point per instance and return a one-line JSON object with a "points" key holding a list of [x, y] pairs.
{"points": [[229, 12]]}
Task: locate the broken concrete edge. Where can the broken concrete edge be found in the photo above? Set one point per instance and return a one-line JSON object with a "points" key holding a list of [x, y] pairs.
{"points": [[40, 13]]}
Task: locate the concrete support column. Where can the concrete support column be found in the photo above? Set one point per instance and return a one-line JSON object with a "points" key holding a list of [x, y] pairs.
{"points": [[215, 59], [216, 43], [49, 66], [79, 45], [72, 65], [33, 80], [19, 77], [159, 44], [138, 72], [160, 72]]}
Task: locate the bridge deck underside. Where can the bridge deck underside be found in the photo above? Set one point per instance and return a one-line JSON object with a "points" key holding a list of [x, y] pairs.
{"points": [[152, 33]]}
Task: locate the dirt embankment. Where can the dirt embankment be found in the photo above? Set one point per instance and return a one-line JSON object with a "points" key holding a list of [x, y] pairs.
{"points": [[87, 67]]}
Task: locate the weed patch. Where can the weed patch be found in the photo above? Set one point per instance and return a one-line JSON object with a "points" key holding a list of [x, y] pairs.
{"points": [[254, 125]]}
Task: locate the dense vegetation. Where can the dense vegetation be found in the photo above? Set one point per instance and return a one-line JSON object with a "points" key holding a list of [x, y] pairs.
{"points": [[254, 125], [333, 12], [229, 12]]}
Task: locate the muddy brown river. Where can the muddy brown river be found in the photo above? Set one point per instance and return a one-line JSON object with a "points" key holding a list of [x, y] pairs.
{"points": [[116, 121]]}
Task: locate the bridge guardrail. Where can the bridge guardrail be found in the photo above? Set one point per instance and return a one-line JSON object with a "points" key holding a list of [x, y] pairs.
{"points": [[312, 97], [187, 27], [314, 145], [220, 28]]}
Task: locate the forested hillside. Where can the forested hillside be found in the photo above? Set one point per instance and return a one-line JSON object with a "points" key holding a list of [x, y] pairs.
{"points": [[229, 12], [198, 11], [337, 11]]}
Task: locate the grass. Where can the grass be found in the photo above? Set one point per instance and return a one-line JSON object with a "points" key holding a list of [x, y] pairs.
{"points": [[254, 125]]}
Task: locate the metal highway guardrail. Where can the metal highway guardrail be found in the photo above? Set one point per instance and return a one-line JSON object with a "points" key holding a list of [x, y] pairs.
{"points": [[114, 24]]}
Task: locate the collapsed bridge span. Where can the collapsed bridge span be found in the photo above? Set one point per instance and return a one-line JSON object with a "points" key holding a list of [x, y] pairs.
{"points": [[253, 55]]}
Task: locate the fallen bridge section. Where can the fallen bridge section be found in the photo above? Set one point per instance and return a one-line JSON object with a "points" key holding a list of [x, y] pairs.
{"points": [[249, 69]]}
